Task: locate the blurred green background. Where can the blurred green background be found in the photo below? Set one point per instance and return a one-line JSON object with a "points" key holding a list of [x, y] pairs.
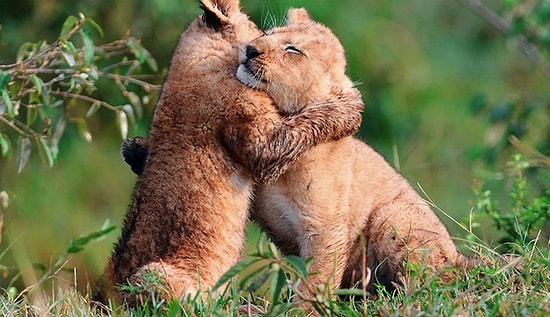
{"points": [[419, 64]]}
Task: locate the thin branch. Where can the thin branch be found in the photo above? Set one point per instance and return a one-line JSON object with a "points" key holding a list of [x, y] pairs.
{"points": [[49, 71], [535, 157], [50, 48], [119, 64], [504, 27], [84, 98], [488, 15], [147, 86], [31, 133]]}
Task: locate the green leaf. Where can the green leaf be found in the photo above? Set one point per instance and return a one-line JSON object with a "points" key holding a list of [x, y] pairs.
{"points": [[136, 49], [141, 53], [83, 130], [69, 59], [45, 151], [34, 97], [348, 292], [96, 26], [276, 285], [46, 100], [32, 114], [129, 113], [4, 79], [151, 62], [274, 250], [73, 248], [37, 83], [542, 13], [70, 47], [77, 245], [136, 102], [509, 4], [174, 309], [88, 47], [24, 51], [4, 145], [7, 104], [299, 264], [255, 280], [92, 72], [68, 25], [23, 153], [122, 123], [236, 269], [93, 109], [56, 136]]}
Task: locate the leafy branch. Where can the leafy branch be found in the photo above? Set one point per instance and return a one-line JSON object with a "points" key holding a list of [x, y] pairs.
{"points": [[517, 122], [526, 22], [44, 89]]}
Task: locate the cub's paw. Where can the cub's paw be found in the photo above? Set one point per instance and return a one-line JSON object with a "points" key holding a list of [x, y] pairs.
{"points": [[134, 152]]}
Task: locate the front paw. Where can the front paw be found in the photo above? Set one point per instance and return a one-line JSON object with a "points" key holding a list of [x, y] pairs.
{"points": [[349, 106], [134, 152]]}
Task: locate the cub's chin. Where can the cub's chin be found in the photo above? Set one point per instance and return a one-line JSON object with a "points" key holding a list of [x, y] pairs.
{"points": [[245, 77]]}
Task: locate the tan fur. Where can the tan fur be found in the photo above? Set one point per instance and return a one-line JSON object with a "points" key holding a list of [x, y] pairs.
{"points": [[210, 138], [342, 197]]}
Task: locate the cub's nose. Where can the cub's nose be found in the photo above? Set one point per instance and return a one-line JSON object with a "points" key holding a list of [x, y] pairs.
{"points": [[252, 52]]}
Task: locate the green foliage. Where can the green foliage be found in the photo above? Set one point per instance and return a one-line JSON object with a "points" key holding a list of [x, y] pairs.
{"points": [[32, 301], [77, 245], [528, 218], [268, 271], [49, 84], [504, 286], [524, 118], [530, 19]]}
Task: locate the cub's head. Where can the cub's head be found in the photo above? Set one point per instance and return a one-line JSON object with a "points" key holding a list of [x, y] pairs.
{"points": [[296, 64], [217, 33]]}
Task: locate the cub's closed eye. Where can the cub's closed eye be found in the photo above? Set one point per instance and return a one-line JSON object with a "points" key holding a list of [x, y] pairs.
{"points": [[293, 49]]}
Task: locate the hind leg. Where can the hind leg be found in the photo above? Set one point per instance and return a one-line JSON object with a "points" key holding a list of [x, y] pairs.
{"points": [[401, 233]]}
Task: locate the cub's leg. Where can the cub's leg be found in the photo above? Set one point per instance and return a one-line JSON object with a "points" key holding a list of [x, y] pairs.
{"points": [[298, 227], [406, 232], [308, 212]]}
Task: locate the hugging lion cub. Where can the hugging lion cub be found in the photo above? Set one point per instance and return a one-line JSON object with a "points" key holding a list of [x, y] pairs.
{"points": [[342, 197], [341, 203], [211, 139]]}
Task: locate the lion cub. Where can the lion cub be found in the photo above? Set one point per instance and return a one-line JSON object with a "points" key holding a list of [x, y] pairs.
{"points": [[341, 203], [211, 138], [342, 197]]}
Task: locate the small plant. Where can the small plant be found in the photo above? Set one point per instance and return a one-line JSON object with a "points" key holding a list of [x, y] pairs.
{"points": [[270, 273], [273, 279], [32, 301], [51, 85], [527, 219]]}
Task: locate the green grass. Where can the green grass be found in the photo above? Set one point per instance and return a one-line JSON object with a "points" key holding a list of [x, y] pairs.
{"points": [[265, 282], [517, 288]]}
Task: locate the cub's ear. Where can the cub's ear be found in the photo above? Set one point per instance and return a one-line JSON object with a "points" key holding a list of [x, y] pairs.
{"points": [[217, 13], [298, 15]]}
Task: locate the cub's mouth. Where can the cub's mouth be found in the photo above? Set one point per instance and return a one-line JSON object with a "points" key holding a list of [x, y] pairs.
{"points": [[246, 72], [246, 76]]}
